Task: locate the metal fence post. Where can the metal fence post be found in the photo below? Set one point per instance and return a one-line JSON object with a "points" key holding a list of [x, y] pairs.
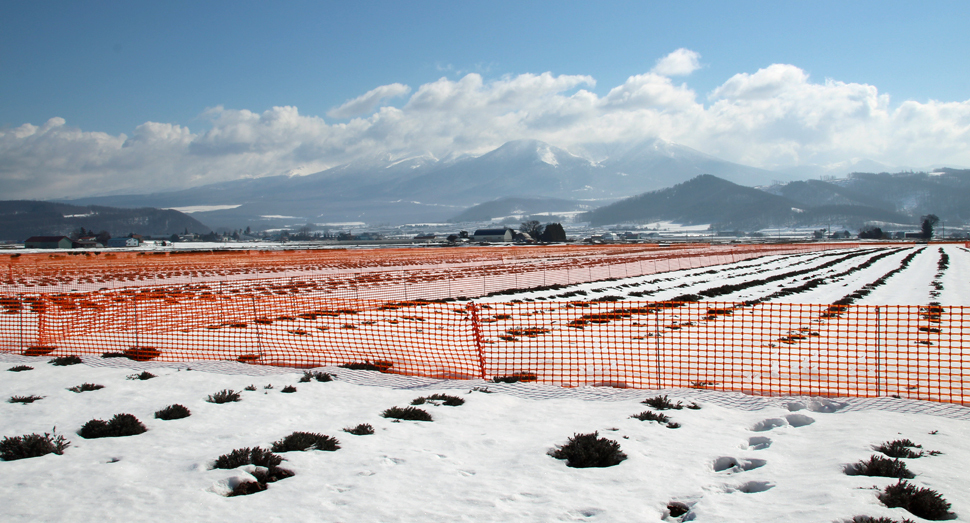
{"points": [[477, 333]]}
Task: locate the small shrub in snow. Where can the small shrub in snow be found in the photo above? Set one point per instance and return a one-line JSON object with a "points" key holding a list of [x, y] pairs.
{"points": [[299, 441], [364, 429], [483, 390], [662, 403], [269, 386], [24, 399], [145, 375], [319, 376], [439, 399], [62, 361], [224, 396], [880, 466], [173, 412], [250, 388], [114, 355], [589, 450], [288, 389], [649, 415], [85, 387], [921, 502], [900, 448], [870, 519], [118, 426], [694, 406], [407, 413], [20, 368], [268, 469], [673, 425], [31, 446]]}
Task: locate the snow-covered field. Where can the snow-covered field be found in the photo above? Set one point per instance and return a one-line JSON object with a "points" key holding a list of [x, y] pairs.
{"points": [[738, 458]]}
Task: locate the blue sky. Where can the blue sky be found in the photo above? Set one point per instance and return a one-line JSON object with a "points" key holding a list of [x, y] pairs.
{"points": [[110, 67]]}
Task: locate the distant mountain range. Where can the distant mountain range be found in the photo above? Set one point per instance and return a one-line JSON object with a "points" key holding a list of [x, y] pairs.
{"points": [[425, 189], [534, 177], [21, 219], [860, 199]]}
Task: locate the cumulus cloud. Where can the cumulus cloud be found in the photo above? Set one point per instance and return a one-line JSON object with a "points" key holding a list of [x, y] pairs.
{"points": [[774, 117], [681, 62], [367, 102]]}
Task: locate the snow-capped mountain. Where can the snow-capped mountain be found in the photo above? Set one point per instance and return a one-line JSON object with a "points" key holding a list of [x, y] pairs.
{"points": [[425, 188]]}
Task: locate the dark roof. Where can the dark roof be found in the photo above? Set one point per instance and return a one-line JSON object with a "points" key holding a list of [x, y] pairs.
{"points": [[46, 239], [490, 232]]}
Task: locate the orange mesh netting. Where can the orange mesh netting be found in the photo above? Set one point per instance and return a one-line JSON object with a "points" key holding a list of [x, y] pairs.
{"points": [[409, 313]]}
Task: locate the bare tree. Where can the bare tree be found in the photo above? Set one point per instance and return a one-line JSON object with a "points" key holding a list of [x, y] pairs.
{"points": [[532, 228]]}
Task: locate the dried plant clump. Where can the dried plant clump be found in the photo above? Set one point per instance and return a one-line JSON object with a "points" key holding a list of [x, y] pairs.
{"points": [[118, 426], [85, 387], [439, 399], [364, 429], [870, 519], [663, 403], [32, 446], [407, 413], [900, 448], [144, 375], [300, 441], [649, 415], [589, 450], [250, 388], [921, 502], [288, 389], [173, 412], [309, 376], [24, 399], [880, 466], [113, 355], [224, 396], [63, 361], [267, 468], [20, 368]]}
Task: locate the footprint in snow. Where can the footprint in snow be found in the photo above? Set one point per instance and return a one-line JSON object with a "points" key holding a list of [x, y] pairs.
{"points": [[731, 465], [794, 420], [757, 443]]}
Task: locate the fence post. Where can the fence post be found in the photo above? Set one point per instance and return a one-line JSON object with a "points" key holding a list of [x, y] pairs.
{"points": [[134, 306], [21, 318], [477, 332], [878, 377], [259, 340], [660, 383]]}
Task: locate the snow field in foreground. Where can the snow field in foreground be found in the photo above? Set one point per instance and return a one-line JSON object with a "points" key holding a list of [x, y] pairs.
{"points": [[483, 461]]}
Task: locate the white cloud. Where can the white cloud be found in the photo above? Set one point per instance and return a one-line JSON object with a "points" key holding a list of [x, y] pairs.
{"points": [[681, 62], [367, 102], [774, 117]]}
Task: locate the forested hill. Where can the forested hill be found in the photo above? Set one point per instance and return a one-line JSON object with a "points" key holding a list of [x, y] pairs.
{"points": [[709, 199], [21, 219]]}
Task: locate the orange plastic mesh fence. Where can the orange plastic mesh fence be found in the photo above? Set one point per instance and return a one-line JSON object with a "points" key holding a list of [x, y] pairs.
{"points": [[409, 322]]}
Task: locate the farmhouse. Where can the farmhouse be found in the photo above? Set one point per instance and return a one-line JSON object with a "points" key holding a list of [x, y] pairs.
{"points": [[123, 242], [493, 235], [48, 242]]}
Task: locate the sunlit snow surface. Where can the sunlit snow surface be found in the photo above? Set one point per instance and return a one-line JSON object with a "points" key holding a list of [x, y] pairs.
{"points": [[487, 459], [483, 461]]}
